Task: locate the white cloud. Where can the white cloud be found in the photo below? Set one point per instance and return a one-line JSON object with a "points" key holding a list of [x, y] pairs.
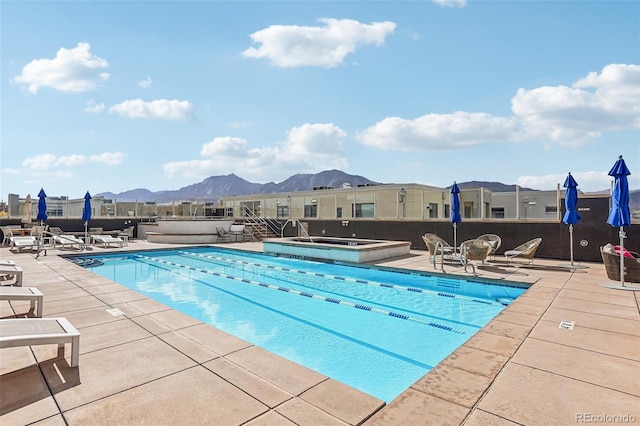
{"points": [[40, 162], [573, 116], [108, 158], [94, 107], [308, 148], [325, 46], [50, 161], [71, 160], [72, 70], [162, 108], [146, 83], [438, 131], [10, 171], [312, 139], [451, 3]]}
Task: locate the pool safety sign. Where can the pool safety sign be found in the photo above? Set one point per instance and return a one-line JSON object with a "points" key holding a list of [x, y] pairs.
{"points": [[566, 324]]}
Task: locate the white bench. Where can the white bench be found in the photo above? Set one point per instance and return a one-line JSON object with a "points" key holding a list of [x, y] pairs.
{"points": [[24, 293], [40, 331], [12, 271]]}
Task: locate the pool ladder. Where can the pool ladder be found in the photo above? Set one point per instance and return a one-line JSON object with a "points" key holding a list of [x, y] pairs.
{"points": [[463, 257]]}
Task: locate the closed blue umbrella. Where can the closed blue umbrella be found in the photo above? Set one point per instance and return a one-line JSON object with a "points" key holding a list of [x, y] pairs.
{"points": [[42, 206], [620, 215], [455, 212], [86, 212], [571, 215]]}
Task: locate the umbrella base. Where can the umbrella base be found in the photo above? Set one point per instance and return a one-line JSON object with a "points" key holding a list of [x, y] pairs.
{"points": [[618, 286], [570, 266]]}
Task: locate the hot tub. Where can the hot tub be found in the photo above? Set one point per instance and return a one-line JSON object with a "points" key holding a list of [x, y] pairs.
{"points": [[352, 250]]}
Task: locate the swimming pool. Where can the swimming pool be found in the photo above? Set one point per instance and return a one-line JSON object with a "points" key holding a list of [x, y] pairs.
{"points": [[371, 328]]}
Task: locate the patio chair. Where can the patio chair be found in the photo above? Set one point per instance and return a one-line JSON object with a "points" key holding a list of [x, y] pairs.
{"points": [[38, 230], [128, 232], [223, 235], [247, 234], [55, 230], [66, 240], [524, 251], [7, 234], [443, 247], [474, 250], [494, 240], [40, 331], [611, 259], [96, 231], [107, 240]]}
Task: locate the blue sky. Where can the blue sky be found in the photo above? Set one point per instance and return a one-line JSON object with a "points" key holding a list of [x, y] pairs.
{"points": [[113, 96]]}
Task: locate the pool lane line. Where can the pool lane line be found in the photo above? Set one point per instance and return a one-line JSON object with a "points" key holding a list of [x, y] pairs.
{"points": [[336, 333], [307, 294], [347, 279], [334, 293]]}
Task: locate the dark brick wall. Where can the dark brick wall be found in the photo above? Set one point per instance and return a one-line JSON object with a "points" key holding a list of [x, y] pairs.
{"points": [[592, 228]]}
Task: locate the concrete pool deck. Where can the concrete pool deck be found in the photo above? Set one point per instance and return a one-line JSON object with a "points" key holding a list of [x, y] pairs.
{"points": [[154, 365]]}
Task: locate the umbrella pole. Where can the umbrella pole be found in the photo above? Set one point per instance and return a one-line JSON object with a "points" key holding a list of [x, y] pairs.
{"points": [[571, 242], [622, 235], [455, 237]]}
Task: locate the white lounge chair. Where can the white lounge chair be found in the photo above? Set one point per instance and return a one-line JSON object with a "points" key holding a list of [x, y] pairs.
{"points": [[66, 240], [107, 240], [31, 294], [12, 271], [40, 331], [20, 243]]}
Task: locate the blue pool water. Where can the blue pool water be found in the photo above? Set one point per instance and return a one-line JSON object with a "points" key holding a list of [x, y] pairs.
{"points": [[371, 328]]}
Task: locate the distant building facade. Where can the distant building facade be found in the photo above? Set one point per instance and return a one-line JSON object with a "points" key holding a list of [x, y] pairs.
{"points": [[373, 202]]}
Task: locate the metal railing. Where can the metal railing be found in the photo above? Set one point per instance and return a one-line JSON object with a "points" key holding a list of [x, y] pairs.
{"points": [[295, 223], [264, 226]]}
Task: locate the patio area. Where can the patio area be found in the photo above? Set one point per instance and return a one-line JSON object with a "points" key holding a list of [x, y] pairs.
{"points": [[145, 363]]}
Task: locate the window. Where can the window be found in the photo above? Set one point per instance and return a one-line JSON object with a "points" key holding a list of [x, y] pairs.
{"points": [[311, 210], [447, 210], [251, 208], [55, 211], [468, 209], [364, 210], [338, 211], [433, 211], [283, 211], [497, 212], [229, 212]]}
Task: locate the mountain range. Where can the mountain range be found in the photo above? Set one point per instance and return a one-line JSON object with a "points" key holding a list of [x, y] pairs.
{"points": [[214, 187]]}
